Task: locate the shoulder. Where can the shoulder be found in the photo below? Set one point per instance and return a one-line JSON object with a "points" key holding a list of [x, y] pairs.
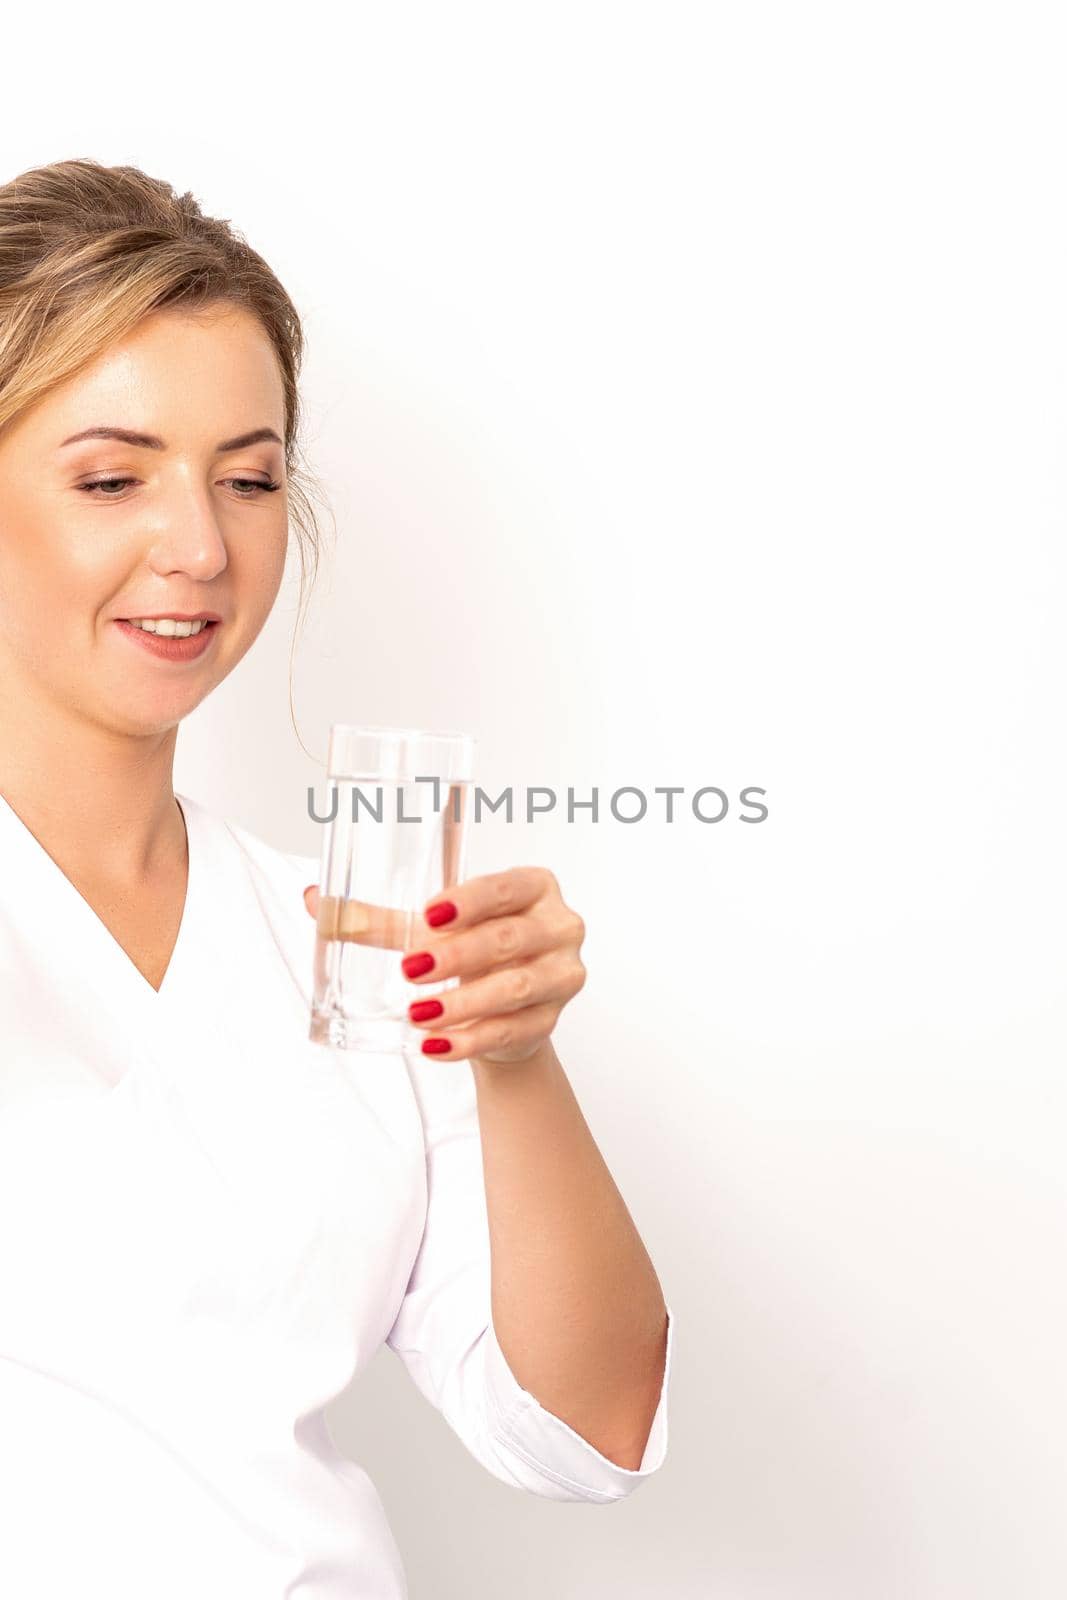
{"points": [[284, 867], [260, 885]]}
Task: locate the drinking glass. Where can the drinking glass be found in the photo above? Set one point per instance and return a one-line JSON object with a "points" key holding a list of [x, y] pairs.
{"points": [[397, 803]]}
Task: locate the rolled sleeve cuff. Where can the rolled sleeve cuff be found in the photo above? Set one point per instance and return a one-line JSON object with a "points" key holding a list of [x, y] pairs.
{"points": [[551, 1447]]}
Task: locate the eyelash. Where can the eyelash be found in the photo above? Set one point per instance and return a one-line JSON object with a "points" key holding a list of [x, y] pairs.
{"points": [[87, 488]]}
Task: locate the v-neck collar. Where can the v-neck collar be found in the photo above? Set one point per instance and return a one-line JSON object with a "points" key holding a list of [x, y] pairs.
{"points": [[54, 892]]}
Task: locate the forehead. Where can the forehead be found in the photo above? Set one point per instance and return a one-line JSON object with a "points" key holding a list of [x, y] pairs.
{"points": [[179, 374]]}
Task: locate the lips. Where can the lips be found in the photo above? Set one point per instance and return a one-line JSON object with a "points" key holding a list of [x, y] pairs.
{"points": [[169, 646], [171, 616]]}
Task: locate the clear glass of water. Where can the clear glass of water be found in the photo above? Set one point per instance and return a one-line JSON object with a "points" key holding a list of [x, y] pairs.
{"points": [[397, 802]]}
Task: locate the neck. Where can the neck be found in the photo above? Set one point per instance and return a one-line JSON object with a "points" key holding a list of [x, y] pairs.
{"points": [[99, 800]]}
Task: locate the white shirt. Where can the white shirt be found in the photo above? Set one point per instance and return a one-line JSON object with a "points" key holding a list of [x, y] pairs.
{"points": [[208, 1226]]}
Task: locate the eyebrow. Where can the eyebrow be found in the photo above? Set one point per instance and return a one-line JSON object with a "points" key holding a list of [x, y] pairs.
{"points": [[149, 441]]}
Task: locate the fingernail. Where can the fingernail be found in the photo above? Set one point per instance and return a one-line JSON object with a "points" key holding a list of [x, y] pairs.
{"points": [[443, 911], [435, 1047], [415, 966], [423, 1010]]}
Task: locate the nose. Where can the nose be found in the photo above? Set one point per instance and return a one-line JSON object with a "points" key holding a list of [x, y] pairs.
{"points": [[187, 537]]}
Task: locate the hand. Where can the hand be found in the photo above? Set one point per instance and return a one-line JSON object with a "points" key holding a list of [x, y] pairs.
{"points": [[512, 942]]}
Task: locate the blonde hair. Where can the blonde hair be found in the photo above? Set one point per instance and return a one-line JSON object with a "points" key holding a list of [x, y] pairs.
{"points": [[88, 251]]}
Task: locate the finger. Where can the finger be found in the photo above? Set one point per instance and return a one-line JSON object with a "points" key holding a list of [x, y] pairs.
{"points": [[515, 1031], [500, 942], [358, 921], [557, 976], [494, 894]]}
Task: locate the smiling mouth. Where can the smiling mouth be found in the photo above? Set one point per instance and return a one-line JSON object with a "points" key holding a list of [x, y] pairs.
{"points": [[170, 628]]}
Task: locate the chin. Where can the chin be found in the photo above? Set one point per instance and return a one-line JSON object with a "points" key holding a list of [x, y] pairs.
{"points": [[156, 714]]}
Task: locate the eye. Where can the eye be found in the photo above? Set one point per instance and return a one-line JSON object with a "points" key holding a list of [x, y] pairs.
{"points": [[103, 483], [252, 485]]}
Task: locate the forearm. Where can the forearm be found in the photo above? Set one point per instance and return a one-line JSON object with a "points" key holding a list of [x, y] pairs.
{"points": [[577, 1306]]}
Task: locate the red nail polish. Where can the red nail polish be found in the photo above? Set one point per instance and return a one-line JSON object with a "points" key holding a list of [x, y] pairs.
{"points": [[423, 1010], [435, 1047], [444, 911], [415, 966]]}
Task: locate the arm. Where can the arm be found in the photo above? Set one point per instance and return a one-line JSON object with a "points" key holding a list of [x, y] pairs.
{"points": [[444, 1331], [533, 1318], [577, 1306]]}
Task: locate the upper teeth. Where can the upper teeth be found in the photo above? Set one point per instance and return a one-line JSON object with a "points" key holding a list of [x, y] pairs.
{"points": [[167, 625]]}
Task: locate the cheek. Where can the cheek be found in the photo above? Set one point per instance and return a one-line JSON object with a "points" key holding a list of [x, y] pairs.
{"points": [[53, 572], [256, 572]]}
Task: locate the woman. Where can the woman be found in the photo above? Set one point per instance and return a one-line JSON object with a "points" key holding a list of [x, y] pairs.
{"points": [[210, 1223]]}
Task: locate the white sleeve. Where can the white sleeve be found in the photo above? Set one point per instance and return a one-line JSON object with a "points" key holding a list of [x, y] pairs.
{"points": [[444, 1332]]}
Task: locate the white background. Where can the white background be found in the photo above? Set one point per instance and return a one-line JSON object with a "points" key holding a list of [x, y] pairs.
{"points": [[688, 382]]}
